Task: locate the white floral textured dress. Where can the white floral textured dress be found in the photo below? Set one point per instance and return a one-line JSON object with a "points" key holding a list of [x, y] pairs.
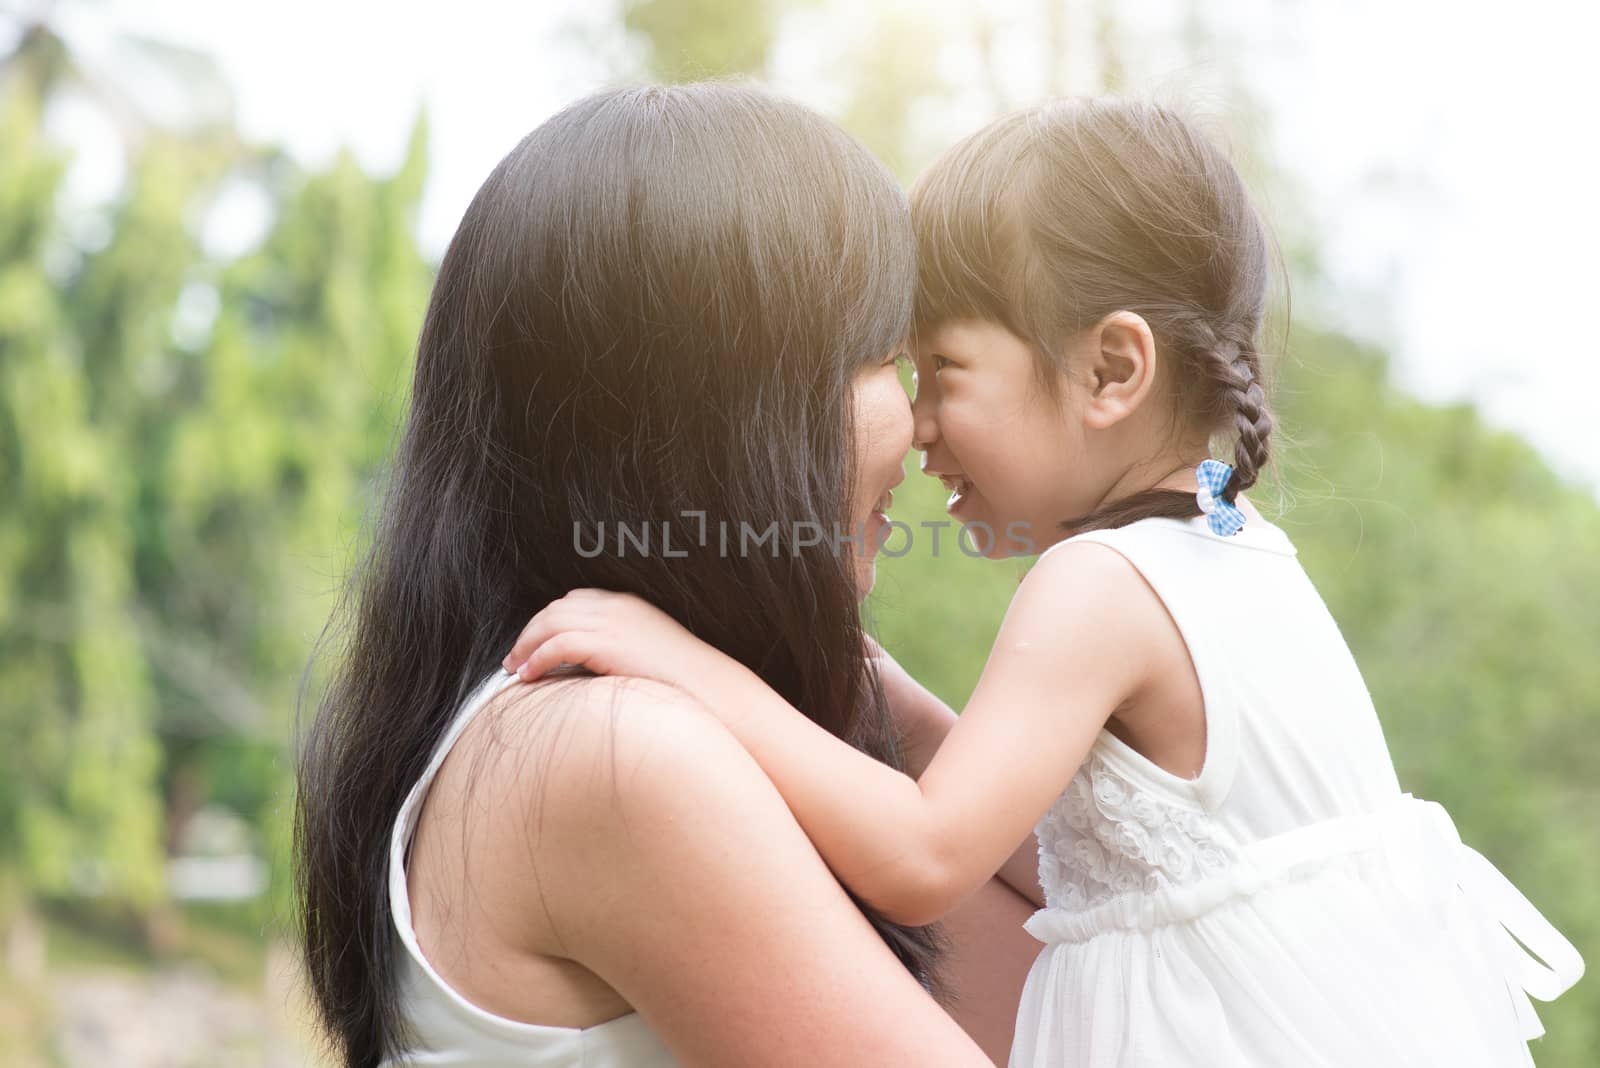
{"points": [[1289, 906]]}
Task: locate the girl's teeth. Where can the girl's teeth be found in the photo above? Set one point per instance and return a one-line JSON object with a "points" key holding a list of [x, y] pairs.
{"points": [[959, 487]]}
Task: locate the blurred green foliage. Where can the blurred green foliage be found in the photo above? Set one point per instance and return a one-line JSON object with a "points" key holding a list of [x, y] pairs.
{"points": [[189, 444], [689, 40], [186, 450]]}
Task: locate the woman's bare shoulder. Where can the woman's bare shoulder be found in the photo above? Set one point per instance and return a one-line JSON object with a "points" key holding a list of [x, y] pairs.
{"points": [[602, 733], [672, 869], [592, 757], [573, 784]]}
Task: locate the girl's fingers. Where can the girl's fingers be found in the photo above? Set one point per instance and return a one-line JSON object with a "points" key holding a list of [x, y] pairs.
{"points": [[535, 631], [570, 647], [574, 611], [554, 618]]}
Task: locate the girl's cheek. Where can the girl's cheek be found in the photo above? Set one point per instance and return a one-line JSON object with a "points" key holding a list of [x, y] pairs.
{"points": [[956, 421]]}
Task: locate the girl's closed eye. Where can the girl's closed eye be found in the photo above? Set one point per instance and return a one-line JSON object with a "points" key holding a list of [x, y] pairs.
{"points": [[940, 363]]}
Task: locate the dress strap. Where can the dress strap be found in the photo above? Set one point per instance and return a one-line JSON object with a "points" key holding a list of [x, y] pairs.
{"points": [[1163, 551]]}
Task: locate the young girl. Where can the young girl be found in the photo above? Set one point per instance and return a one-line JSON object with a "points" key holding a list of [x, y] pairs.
{"points": [[1231, 873]]}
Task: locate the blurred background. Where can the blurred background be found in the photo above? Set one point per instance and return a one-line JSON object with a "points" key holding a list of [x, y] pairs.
{"points": [[217, 233]]}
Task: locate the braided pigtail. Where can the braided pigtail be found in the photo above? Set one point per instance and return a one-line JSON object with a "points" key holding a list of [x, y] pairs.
{"points": [[1235, 372]]}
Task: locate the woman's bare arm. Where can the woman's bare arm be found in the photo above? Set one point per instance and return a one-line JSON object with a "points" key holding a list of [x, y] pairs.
{"points": [[672, 869], [989, 958]]}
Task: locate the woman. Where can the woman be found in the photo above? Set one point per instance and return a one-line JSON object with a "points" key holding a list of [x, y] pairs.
{"points": [[659, 358]]}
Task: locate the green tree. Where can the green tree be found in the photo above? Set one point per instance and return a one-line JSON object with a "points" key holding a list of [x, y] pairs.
{"points": [[187, 447], [688, 40], [78, 808], [265, 481]]}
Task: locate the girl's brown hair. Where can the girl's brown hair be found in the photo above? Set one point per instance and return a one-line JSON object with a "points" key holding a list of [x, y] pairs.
{"points": [[1050, 219]]}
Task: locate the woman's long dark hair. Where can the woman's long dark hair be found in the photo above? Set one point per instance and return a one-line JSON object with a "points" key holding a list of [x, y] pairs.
{"points": [[654, 306]]}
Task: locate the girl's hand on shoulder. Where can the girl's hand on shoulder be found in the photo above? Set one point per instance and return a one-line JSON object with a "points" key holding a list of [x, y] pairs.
{"points": [[619, 634]]}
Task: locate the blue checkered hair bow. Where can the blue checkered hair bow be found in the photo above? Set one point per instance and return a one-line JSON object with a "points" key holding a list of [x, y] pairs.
{"points": [[1222, 516]]}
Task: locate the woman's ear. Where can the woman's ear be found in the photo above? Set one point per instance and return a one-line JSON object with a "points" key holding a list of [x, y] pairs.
{"points": [[1121, 355]]}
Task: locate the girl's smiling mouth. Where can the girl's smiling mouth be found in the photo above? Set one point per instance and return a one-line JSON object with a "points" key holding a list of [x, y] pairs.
{"points": [[960, 487]]}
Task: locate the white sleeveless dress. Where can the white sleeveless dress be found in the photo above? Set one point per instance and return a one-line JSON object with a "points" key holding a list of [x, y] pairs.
{"points": [[1289, 906], [447, 1029]]}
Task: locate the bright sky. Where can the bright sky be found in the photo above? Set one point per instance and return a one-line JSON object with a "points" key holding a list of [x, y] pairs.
{"points": [[1447, 161]]}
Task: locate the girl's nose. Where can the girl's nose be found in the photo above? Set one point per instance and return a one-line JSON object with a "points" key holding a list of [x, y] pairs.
{"points": [[924, 422]]}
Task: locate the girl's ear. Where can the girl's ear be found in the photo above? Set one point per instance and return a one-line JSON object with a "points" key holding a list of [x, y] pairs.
{"points": [[1121, 363]]}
